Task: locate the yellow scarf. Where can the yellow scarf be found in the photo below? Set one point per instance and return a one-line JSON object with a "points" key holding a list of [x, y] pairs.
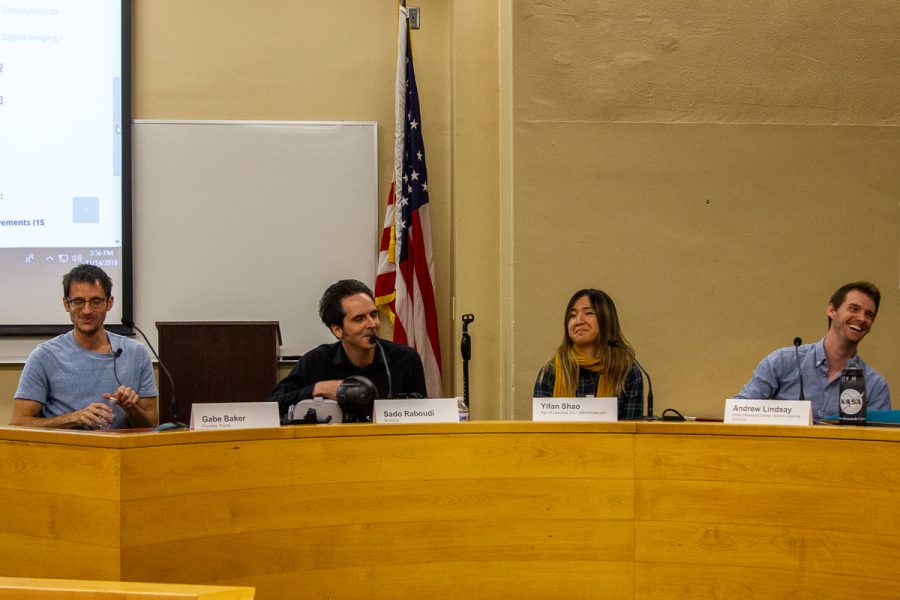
{"points": [[561, 387]]}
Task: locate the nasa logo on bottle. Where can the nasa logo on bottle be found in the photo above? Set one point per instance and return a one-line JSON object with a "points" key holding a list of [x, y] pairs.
{"points": [[851, 402]]}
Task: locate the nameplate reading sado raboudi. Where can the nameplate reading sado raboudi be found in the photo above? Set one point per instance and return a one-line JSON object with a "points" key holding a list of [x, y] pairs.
{"points": [[417, 410]]}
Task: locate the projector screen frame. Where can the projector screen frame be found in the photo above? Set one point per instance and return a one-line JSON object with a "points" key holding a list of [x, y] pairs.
{"points": [[124, 287]]}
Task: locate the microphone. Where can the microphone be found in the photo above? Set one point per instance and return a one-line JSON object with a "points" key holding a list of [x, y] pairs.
{"points": [[616, 344], [115, 357], [174, 425], [797, 342], [374, 339]]}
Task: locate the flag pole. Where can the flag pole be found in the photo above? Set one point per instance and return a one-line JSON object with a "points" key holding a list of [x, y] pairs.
{"points": [[404, 281]]}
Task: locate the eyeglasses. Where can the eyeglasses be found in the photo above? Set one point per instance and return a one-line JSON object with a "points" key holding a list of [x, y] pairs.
{"points": [[78, 303]]}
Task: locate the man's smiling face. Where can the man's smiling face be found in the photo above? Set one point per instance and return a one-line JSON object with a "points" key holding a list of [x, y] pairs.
{"points": [[853, 319]]}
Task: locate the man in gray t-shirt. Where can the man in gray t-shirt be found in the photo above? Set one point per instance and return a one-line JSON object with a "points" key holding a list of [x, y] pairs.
{"points": [[87, 378]]}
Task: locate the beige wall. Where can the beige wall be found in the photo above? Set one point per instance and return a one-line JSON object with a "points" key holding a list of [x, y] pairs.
{"points": [[9, 377], [476, 225], [719, 169]]}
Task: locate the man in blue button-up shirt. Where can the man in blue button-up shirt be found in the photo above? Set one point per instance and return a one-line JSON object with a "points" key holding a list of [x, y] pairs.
{"points": [[851, 312]]}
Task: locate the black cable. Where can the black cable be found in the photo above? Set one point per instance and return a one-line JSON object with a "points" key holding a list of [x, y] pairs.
{"points": [[116, 356], [670, 414]]}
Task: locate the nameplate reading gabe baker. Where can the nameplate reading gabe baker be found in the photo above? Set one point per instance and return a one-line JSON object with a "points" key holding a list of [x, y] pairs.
{"points": [[234, 415]]}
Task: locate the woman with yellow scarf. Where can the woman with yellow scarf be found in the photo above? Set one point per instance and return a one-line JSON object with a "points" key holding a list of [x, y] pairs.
{"points": [[586, 365]]}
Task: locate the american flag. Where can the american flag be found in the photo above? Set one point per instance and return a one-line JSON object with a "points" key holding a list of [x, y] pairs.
{"points": [[404, 284]]}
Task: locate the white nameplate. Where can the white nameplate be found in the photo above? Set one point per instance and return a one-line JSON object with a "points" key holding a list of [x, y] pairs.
{"points": [[575, 409], [234, 415], [768, 412], [417, 410]]}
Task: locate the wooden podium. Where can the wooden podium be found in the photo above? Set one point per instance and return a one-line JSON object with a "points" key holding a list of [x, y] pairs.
{"points": [[216, 361]]}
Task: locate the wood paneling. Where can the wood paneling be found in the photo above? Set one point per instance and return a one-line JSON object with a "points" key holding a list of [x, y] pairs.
{"points": [[567, 579], [199, 356], [60, 510], [303, 551], [819, 550], [714, 581], [369, 509], [21, 588], [766, 517], [493, 510]]}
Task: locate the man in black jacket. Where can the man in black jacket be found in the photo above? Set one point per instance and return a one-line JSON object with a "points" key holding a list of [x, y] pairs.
{"points": [[347, 308]]}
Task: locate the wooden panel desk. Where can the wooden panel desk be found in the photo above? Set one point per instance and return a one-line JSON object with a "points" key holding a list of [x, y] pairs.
{"points": [[486, 510], [21, 588]]}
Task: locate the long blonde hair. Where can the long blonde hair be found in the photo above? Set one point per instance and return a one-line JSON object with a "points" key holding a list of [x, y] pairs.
{"points": [[614, 362]]}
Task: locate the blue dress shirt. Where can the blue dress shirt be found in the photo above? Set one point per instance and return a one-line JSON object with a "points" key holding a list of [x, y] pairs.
{"points": [[777, 377]]}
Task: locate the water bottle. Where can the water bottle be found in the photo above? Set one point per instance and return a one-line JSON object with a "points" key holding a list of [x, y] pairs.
{"points": [[462, 409], [853, 394]]}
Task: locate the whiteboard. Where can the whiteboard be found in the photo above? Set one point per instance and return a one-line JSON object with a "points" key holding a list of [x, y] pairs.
{"points": [[251, 220]]}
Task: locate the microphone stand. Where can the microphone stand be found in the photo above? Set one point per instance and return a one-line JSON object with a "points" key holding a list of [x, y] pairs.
{"points": [[649, 417], [174, 424], [797, 342], [465, 347], [387, 369]]}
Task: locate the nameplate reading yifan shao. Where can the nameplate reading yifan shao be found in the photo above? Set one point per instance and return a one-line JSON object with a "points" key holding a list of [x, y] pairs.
{"points": [[768, 412], [417, 410], [234, 415], [575, 409]]}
